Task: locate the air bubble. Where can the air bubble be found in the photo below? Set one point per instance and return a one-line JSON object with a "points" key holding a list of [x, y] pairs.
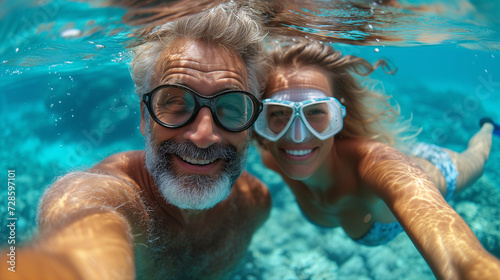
{"points": [[69, 33], [376, 50], [99, 47]]}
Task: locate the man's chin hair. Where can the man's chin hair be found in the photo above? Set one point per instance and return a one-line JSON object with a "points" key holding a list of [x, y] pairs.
{"points": [[181, 191], [192, 191]]}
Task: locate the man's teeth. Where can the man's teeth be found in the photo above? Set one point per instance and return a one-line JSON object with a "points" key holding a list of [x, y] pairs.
{"points": [[298, 152], [197, 161]]}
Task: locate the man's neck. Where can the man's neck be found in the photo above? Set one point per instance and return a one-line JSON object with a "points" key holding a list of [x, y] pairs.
{"points": [[192, 215]]}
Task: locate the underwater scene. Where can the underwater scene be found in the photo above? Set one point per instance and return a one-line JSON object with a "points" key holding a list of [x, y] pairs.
{"points": [[67, 102]]}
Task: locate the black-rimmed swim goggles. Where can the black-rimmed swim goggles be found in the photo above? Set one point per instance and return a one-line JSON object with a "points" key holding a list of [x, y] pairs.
{"points": [[174, 106]]}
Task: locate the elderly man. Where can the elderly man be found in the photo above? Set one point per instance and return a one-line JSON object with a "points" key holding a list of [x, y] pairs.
{"points": [[181, 209]]}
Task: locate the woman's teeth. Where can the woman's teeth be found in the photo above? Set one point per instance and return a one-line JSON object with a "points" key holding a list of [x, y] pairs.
{"points": [[197, 161], [298, 152]]}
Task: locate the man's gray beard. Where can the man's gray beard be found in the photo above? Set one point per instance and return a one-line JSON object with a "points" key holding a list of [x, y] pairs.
{"points": [[193, 191]]}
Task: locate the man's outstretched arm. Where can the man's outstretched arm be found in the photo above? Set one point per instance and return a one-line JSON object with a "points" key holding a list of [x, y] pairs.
{"points": [[86, 224]]}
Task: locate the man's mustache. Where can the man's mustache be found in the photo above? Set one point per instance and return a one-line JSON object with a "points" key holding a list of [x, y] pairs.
{"points": [[188, 149]]}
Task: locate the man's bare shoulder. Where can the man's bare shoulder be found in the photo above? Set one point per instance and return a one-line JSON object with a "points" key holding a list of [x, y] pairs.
{"points": [[105, 187], [120, 161], [252, 195], [129, 166], [253, 190], [115, 170]]}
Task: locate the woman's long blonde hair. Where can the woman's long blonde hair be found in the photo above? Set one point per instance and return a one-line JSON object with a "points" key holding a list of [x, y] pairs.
{"points": [[370, 115]]}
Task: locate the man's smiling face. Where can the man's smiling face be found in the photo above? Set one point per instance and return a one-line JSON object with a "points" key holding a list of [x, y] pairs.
{"points": [[195, 166]]}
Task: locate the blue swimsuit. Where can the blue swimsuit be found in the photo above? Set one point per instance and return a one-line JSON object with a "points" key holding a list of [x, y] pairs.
{"points": [[381, 233]]}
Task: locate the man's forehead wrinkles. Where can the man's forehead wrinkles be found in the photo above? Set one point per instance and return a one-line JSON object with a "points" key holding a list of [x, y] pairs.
{"points": [[201, 66], [204, 68], [195, 73], [202, 71], [191, 79]]}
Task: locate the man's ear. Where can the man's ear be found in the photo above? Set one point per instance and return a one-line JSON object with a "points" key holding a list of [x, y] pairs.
{"points": [[143, 121]]}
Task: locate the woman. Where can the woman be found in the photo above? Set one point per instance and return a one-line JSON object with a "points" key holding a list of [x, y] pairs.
{"points": [[328, 138]]}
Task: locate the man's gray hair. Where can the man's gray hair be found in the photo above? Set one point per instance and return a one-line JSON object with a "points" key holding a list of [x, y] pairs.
{"points": [[228, 25]]}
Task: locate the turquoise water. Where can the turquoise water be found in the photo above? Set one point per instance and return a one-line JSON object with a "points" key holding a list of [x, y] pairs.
{"points": [[67, 102]]}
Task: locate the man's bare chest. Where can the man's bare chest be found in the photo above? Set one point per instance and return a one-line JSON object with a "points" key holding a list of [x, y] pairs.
{"points": [[205, 251]]}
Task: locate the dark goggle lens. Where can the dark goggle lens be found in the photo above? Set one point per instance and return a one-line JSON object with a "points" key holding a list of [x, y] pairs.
{"points": [[234, 110], [172, 106]]}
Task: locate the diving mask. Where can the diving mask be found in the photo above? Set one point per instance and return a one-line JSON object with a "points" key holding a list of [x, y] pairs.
{"points": [[299, 115]]}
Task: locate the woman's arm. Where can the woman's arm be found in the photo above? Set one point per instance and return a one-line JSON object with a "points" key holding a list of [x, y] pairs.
{"points": [[442, 237]]}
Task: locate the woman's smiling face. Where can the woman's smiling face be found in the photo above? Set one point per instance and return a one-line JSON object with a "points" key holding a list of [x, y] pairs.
{"points": [[299, 160]]}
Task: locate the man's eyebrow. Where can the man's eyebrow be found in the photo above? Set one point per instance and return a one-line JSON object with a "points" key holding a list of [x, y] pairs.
{"points": [[173, 81], [178, 82], [229, 87]]}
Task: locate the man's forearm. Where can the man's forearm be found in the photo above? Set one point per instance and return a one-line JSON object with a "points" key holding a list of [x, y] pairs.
{"points": [[33, 264], [97, 246]]}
